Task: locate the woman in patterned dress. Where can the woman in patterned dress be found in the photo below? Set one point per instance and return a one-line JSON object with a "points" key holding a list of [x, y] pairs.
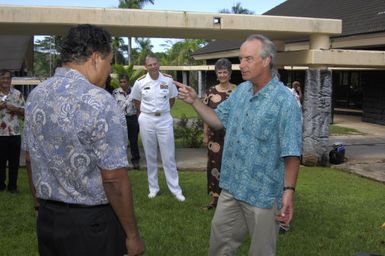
{"points": [[215, 139]]}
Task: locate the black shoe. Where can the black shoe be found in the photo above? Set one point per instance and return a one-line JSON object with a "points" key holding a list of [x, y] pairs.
{"points": [[13, 191], [212, 205], [209, 207], [136, 165], [283, 228]]}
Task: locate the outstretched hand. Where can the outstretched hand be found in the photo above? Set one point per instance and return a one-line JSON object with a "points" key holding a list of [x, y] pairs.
{"points": [[186, 93]]}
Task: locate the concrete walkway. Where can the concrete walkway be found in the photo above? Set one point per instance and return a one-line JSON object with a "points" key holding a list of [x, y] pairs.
{"points": [[194, 159], [365, 152]]}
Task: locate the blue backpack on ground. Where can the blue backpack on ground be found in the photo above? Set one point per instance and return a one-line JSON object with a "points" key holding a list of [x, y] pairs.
{"points": [[337, 154]]}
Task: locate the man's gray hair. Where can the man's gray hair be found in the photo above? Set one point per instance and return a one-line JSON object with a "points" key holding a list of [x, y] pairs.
{"points": [[268, 48]]}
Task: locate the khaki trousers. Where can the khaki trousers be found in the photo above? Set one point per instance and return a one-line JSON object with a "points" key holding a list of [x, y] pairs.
{"points": [[231, 222]]}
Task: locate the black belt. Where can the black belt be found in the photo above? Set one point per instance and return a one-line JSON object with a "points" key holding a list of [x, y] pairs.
{"points": [[156, 113], [131, 116], [67, 205]]}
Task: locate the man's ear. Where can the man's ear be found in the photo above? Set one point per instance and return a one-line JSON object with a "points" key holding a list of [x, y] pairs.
{"points": [[266, 61], [95, 57]]}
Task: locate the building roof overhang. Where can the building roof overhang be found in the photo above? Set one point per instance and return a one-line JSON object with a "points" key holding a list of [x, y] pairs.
{"points": [[35, 20]]}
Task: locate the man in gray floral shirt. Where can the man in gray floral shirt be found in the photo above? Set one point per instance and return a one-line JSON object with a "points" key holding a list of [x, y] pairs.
{"points": [[75, 138], [123, 96]]}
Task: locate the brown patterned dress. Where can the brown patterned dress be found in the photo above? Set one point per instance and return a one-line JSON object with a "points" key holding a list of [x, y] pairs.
{"points": [[215, 143]]}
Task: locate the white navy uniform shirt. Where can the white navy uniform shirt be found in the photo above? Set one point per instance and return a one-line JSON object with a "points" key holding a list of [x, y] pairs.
{"points": [[154, 95]]}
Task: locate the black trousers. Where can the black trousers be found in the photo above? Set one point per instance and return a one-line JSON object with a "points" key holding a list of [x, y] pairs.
{"points": [[65, 231], [9, 153], [133, 132]]}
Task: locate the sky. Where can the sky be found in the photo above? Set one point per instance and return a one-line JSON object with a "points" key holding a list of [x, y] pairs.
{"points": [[258, 6]]}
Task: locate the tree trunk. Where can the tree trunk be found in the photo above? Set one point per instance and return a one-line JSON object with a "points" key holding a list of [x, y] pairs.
{"points": [[129, 50]]}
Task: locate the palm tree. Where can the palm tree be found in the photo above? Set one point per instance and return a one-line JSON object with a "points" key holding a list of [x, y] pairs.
{"points": [[47, 57], [144, 49], [237, 9], [129, 71], [132, 4], [181, 52], [117, 42]]}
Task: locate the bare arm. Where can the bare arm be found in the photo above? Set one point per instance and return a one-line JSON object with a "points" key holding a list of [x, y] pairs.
{"points": [[172, 101], [118, 189], [291, 174], [15, 109], [30, 183], [188, 95], [205, 134], [137, 105]]}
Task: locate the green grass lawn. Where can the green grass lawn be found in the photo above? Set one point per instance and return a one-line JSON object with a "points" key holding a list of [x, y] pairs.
{"points": [[181, 108], [336, 214], [340, 130]]}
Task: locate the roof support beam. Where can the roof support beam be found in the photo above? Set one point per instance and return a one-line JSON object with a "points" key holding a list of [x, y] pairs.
{"points": [[332, 58]]}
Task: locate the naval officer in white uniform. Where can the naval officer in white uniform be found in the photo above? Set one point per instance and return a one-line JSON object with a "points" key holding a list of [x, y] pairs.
{"points": [[154, 94]]}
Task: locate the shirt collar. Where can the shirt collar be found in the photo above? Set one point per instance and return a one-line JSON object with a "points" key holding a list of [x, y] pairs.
{"points": [[70, 73], [267, 89]]}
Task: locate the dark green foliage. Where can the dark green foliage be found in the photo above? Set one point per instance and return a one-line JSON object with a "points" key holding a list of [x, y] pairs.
{"points": [[129, 71], [189, 131], [46, 56]]}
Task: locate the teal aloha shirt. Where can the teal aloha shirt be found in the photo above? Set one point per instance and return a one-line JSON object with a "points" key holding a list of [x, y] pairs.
{"points": [[261, 130]]}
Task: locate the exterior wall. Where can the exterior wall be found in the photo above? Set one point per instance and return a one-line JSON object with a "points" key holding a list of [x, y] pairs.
{"points": [[374, 97]]}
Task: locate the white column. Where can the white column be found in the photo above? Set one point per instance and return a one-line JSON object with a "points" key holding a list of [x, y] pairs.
{"points": [[200, 83], [184, 77], [319, 41]]}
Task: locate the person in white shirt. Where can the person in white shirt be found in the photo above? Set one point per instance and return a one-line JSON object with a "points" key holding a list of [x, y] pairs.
{"points": [[297, 91], [154, 94]]}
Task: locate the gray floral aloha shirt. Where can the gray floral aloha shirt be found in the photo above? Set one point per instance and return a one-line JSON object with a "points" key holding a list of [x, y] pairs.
{"points": [[73, 129], [261, 129], [125, 101]]}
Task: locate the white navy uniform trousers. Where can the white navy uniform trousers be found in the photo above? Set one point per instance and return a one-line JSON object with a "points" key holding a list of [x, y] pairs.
{"points": [[156, 127]]}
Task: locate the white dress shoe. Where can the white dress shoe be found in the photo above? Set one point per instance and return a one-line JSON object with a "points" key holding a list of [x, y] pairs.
{"points": [[152, 194], [180, 198]]}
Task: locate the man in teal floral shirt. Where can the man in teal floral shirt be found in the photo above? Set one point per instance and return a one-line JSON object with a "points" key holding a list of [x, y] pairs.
{"points": [[260, 160]]}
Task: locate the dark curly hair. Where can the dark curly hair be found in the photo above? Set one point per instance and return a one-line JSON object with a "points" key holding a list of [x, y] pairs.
{"points": [[83, 40], [5, 71]]}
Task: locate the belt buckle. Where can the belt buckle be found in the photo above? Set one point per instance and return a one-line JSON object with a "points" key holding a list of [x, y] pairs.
{"points": [[157, 114]]}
